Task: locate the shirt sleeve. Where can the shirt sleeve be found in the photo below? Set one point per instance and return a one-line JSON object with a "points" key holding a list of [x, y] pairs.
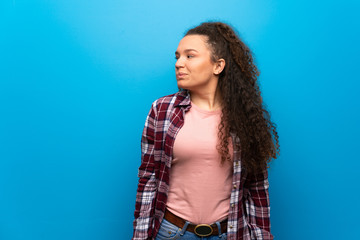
{"points": [[146, 190], [257, 206]]}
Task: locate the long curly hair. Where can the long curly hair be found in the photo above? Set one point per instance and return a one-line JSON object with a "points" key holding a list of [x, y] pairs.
{"points": [[243, 113]]}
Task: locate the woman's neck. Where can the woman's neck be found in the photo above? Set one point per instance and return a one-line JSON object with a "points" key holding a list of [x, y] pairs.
{"points": [[206, 100]]}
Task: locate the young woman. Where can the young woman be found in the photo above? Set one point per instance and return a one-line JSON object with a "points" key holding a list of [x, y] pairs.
{"points": [[205, 149]]}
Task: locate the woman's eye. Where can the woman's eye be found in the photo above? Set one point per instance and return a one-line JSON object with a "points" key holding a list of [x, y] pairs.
{"points": [[187, 56]]}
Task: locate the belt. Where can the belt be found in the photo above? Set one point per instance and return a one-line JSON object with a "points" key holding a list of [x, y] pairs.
{"points": [[202, 230]]}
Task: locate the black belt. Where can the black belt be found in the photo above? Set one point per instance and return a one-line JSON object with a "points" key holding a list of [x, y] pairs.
{"points": [[202, 230]]}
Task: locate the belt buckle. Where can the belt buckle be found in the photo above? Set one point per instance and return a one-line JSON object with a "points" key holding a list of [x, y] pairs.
{"points": [[203, 230]]}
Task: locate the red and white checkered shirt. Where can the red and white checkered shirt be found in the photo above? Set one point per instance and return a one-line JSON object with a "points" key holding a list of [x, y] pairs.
{"points": [[249, 212]]}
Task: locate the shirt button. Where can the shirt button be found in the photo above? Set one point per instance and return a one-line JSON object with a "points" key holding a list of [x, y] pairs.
{"points": [[237, 164], [232, 205], [231, 226], [234, 186]]}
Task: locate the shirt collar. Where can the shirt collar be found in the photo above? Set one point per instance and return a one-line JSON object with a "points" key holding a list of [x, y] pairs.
{"points": [[182, 99]]}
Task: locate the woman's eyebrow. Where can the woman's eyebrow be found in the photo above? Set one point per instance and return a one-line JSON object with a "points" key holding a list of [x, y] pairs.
{"points": [[187, 50]]}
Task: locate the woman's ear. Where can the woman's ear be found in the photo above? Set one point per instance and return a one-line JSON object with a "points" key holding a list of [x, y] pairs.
{"points": [[219, 66]]}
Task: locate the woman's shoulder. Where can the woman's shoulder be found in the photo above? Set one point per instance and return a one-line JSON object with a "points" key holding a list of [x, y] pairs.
{"points": [[166, 98]]}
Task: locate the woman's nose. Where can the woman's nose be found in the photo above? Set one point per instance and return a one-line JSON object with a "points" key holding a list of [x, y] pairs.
{"points": [[179, 63]]}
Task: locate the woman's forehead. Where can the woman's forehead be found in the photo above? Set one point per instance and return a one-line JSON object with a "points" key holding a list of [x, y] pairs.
{"points": [[193, 42]]}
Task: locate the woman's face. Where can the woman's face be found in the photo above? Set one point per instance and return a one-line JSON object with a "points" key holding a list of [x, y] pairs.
{"points": [[194, 69]]}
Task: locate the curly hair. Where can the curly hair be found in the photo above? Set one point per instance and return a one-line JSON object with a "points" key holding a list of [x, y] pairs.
{"points": [[243, 114]]}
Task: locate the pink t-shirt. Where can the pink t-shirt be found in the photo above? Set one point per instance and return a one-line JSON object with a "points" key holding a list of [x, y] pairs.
{"points": [[200, 185]]}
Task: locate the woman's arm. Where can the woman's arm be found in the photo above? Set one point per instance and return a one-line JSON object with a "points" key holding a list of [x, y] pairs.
{"points": [[146, 191], [257, 206]]}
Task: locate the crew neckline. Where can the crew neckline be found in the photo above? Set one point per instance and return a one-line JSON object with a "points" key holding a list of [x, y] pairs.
{"points": [[218, 111]]}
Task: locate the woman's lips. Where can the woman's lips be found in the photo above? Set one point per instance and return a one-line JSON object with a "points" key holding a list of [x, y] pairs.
{"points": [[180, 75]]}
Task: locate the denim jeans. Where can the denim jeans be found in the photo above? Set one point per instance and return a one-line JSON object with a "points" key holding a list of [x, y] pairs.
{"points": [[169, 231]]}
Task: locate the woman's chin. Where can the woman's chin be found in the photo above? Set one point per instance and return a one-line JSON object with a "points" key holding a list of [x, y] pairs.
{"points": [[182, 86]]}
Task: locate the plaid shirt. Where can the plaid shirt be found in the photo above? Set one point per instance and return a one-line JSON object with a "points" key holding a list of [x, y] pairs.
{"points": [[249, 212]]}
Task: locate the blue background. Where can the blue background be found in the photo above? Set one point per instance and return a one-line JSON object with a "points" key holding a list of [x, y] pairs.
{"points": [[77, 79]]}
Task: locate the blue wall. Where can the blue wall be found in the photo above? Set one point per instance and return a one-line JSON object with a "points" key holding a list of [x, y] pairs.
{"points": [[77, 79]]}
